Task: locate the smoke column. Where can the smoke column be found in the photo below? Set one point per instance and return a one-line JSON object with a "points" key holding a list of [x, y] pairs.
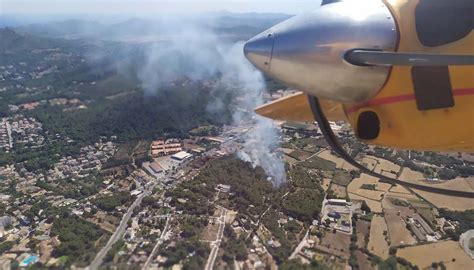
{"points": [[189, 48], [263, 137]]}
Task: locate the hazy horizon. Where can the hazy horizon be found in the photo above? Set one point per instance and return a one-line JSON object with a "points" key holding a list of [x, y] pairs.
{"points": [[150, 7], [22, 12]]}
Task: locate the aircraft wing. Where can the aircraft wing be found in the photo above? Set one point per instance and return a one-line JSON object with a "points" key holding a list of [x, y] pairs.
{"points": [[296, 108]]}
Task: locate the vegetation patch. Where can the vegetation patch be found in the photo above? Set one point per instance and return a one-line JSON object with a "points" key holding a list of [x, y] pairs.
{"points": [[399, 202], [270, 220], [341, 178], [319, 163], [299, 155], [78, 239], [179, 253], [234, 248], [249, 185], [304, 204], [109, 203], [369, 186], [301, 178]]}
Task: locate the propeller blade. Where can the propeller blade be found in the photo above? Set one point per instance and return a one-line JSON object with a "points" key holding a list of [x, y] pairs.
{"points": [[383, 58], [326, 2]]}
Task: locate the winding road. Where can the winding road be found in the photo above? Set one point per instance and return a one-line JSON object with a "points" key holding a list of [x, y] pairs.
{"points": [[216, 244], [119, 231], [158, 243]]}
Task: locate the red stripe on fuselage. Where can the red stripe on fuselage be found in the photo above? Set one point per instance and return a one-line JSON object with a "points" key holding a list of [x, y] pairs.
{"points": [[402, 98]]}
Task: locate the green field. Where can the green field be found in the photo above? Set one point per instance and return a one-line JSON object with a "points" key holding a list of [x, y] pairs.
{"points": [[341, 178], [319, 163]]}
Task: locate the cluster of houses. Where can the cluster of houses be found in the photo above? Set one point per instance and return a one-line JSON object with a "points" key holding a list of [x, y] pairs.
{"points": [[20, 130], [10, 72], [71, 104], [6, 140], [90, 159], [22, 71], [27, 131]]}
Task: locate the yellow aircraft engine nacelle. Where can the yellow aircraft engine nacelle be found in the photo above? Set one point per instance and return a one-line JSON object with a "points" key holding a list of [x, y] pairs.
{"points": [[416, 92]]}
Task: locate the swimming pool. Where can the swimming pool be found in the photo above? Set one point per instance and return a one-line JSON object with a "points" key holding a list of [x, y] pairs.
{"points": [[30, 260]]}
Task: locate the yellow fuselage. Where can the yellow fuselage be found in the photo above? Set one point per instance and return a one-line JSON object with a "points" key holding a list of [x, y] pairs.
{"points": [[419, 108], [402, 124]]}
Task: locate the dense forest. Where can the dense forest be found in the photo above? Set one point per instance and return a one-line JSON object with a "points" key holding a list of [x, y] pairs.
{"points": [[252, 194], [78, 239], [173, 112]]}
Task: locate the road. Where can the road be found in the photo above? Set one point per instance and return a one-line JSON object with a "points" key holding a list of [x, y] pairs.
{"points": [[262, 215], [9, 133], [300, 246], [158, 243], [119, 231], [216, 244], [312, 156]]}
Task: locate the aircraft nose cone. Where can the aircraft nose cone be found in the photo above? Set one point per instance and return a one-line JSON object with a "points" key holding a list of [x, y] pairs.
{"points": [[258, 51], [306, 52]]}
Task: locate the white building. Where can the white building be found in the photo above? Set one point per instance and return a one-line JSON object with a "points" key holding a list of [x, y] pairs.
{"points": [[181, 156]]}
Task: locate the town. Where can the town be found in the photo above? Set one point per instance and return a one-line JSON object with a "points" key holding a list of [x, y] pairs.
{"points": [[149, 215]]}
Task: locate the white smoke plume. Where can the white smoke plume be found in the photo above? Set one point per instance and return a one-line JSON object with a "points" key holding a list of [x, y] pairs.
{"points": [[263, 137], [190, 48]]}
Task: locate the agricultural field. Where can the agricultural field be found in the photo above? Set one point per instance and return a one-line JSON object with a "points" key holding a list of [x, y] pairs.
{"points": [[311, 143], [397, 231], [289, 160], [448, 252], [337, 242], [446, 201], [403, 196], [363, 230], [299, 155], [342, 178], [412, 176], [399, 189], [363, 261], [370, 194], [398, 203], [455, 184], [439, 200], [377, 243], [333, 262], [325, 184], [375, 206], [369, 162], [367, 179], [397, 206], [387, 168], [459, 184], [339, 191], [340, 163], [319, 163], [373, 198]]}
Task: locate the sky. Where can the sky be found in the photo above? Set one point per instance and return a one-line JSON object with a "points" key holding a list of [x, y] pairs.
{"points": [[150, 7]]}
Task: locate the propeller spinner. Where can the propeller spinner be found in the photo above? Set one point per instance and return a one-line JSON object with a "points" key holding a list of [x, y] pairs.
{"points": [[307, 51]]}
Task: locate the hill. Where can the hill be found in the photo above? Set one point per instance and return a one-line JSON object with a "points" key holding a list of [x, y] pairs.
{"points": [[13, 41]]}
